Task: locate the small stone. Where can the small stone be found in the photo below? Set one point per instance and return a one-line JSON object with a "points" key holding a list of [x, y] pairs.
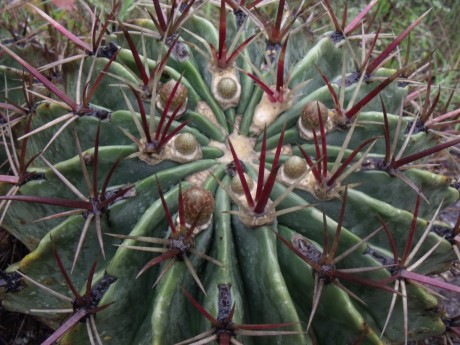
{"points": [[179, 97], [294, 167], [198, 202], [227, 88], [309, 116], [185, 143]]}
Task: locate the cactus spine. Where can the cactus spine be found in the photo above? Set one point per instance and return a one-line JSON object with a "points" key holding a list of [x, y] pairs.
{"points": [[234, 182]]}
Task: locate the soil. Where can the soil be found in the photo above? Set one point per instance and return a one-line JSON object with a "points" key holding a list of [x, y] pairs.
{"points": [[15, 328]]}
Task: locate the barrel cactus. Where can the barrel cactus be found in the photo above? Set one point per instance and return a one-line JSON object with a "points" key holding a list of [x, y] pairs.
{"points": [[195, 172]]}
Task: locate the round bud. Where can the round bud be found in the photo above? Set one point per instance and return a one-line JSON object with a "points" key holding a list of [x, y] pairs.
{"points": [[185, 143], [294, 167], [309, 116], [198, 202], [227, 88], [179, 97], [237, 186]]}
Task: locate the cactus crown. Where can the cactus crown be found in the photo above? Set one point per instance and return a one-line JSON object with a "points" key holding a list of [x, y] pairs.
{"points": [[305, 213]]}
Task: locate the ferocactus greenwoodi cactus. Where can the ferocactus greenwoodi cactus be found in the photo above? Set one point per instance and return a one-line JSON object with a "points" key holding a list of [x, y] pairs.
{"points": [[226, 223]]}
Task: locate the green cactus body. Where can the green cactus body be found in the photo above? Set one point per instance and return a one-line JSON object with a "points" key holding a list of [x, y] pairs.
{"points": [[263, 277]]}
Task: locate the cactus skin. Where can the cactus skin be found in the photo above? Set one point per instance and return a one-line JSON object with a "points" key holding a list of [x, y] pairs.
{"points": [[269, 283]]}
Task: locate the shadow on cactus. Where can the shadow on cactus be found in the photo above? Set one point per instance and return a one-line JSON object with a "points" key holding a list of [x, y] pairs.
{"points": [[272, 190]]}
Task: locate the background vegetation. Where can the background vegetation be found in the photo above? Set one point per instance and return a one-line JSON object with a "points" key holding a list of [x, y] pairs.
{"points": [[437, 37]]}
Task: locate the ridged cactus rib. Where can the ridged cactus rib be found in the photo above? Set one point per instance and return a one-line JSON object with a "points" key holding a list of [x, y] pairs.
{"points": [[338, 252]]}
